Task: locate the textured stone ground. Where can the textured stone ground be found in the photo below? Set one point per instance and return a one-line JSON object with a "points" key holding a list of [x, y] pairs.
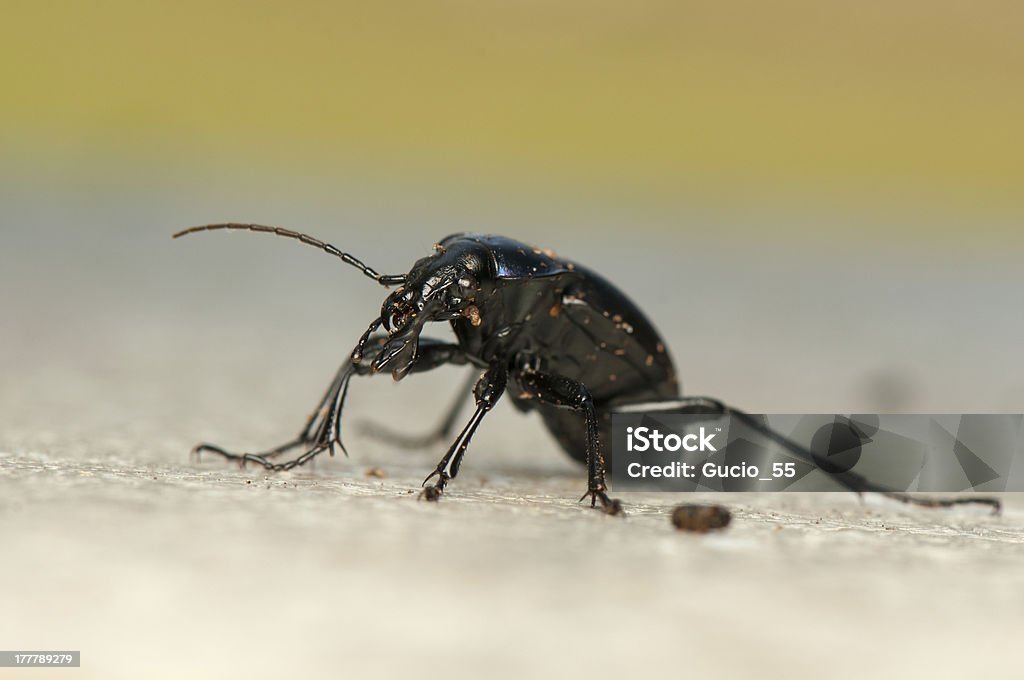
{"points": [[164, 566]]}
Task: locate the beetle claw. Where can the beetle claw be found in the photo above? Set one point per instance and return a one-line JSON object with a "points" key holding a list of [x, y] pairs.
{"points": [[442, 478], [610, 506]]}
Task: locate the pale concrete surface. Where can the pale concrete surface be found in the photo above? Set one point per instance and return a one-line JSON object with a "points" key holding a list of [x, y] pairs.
{"points": [[158, 568], [122, 349]]}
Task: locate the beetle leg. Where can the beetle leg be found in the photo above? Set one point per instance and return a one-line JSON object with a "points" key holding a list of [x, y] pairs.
{"points": [[441, 432], [305, 436], [322, 430], [850, 480], [489, 388], [321, 424], [559, 391]]}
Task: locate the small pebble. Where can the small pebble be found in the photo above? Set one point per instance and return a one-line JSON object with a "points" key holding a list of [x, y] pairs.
{"points": [[700, 518]]}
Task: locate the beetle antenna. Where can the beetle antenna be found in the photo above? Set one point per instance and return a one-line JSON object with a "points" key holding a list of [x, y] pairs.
{"points": [[382, 279]]}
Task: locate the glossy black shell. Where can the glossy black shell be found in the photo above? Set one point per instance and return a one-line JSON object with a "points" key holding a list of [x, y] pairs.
{"points": [[539, 310]]}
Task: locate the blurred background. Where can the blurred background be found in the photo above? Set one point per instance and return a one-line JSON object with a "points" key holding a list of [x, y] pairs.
{"points": [[658, 107], [819, 204], [835, 186]]}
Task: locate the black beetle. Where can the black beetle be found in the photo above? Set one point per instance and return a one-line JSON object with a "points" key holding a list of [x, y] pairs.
{"points": [[558, 337]]}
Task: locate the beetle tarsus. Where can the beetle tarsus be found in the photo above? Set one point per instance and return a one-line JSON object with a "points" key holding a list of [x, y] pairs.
{"points": [[262, 458], [932, 502], [269, 453], [610, 506], [442, 478], [432, 493]]}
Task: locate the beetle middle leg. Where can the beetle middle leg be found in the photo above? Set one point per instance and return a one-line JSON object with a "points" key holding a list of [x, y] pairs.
{"points": [[322, 431], [439, 433], [566, 393], [489, 388]]}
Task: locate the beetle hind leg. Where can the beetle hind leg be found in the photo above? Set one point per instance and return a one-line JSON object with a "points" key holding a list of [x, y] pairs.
{"points": [[439, 433], [850, 480]]}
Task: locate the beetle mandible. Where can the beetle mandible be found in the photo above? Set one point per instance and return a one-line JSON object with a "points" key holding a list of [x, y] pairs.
{"points": [[557, 337]]}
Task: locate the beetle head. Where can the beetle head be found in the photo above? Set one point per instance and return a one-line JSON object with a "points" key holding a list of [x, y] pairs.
{"points": [[441, 287]]}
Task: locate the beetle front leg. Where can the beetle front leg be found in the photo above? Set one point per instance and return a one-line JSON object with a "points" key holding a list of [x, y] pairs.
{"points": [[312, 431], [487, 391], [566, 393], [322, 430]]}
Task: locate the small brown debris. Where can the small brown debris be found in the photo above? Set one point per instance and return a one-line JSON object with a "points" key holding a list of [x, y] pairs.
{"points": [[555, 310], [649, 361], [700, 519], [473, 314], [375, 472]]}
